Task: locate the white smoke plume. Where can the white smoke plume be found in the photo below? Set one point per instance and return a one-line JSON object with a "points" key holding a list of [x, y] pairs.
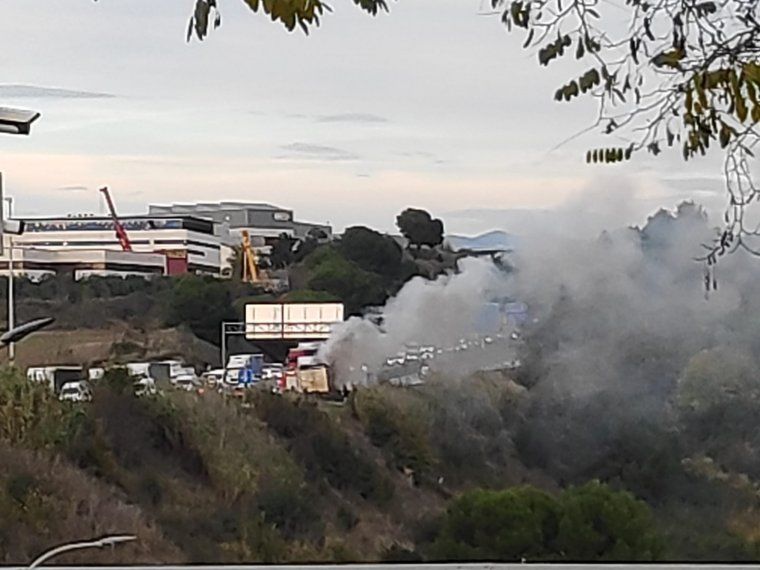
{"points": [[435, 313]]}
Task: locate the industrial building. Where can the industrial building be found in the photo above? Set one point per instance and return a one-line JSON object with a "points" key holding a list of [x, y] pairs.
{"points": [[263, 222], [178, 244]]}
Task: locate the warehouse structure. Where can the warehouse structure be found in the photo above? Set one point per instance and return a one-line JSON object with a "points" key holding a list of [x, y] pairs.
{"points": [[264, 222]]}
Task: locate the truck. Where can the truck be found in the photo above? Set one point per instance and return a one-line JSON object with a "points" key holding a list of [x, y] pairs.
{"points": [[303, 370], [244, 369], [161, 371], [55, 376], [288, 380], [313, 379]]}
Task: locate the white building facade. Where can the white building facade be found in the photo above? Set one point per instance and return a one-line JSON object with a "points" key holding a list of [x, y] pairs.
{"points": [[186, 244]]}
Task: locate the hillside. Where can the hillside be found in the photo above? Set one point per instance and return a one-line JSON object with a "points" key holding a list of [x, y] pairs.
{"points": [[201, 479], [113, 343], [286, 478]]}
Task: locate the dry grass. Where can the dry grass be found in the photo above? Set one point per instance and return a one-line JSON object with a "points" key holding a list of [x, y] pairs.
{"points": [[45, 502]]}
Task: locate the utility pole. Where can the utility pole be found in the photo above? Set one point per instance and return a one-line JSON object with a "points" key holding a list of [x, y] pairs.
{"points": [[11, 299]]}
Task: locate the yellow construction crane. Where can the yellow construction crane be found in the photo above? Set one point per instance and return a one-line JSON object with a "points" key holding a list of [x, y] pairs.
{"points": [[250, 271]]}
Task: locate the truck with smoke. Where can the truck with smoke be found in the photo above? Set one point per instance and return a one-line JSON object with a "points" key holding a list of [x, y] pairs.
{"points": [[305, 372]]}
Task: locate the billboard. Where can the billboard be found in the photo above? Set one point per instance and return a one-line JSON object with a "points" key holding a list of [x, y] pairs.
{"points": [[291, 320]]}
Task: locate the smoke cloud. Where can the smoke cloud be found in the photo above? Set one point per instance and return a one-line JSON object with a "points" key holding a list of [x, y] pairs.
{"points": [[437, 313], [618, 313]]}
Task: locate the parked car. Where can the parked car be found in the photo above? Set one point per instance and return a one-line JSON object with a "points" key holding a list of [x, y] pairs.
{"points": [[75, 392]]}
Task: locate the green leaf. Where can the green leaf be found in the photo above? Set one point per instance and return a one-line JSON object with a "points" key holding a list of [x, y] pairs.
{"points": [[670, 59], [372, 6], [580, 50], [725, 136]]}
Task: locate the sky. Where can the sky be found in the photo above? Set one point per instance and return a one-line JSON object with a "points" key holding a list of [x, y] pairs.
{"points": [[433, 105]]}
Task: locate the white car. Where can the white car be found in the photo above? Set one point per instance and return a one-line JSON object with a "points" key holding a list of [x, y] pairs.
{"points": [[512, 364], [75, 392], [213, 377], [399, 359], [272, 371], [145, 386], [186, 382]]}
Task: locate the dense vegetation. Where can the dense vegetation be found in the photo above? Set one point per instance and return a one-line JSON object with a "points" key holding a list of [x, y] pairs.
{"points": [[431, 474]]}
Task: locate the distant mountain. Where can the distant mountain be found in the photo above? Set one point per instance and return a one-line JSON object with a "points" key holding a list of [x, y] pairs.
{"points": [[494, 240]]}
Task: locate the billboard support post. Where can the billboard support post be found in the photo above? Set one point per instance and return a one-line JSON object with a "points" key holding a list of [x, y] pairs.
{"points": [[229, 328]]}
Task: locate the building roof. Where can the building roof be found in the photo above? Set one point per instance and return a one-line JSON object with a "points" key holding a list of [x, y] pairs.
{"points": [[106, 218], [216, 206]]}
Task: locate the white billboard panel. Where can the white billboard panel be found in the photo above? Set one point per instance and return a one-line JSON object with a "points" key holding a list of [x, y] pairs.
{"points": [[310, 320], [292, 320], [263, 321]]}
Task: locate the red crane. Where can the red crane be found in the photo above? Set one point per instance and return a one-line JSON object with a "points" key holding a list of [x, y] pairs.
{"points": [[121, 233]]}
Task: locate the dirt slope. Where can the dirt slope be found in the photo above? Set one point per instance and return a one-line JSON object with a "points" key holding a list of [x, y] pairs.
{"points": [[116, 344]]}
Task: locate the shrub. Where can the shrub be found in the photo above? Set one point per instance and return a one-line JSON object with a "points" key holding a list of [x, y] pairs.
{"points": [[321, 448], [401, 429], [30, 414], [584, 524]]}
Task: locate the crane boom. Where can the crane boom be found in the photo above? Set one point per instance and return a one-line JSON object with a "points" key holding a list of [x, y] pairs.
{"points": [[121, 233], [250, 272]]}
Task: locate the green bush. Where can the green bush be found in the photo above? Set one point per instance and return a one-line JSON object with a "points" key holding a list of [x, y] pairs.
{"points": [[499, 525], [598, 523], [201, 303], [321, 448], [401, 430], [331, 272], [290, 508], [30, 414], [584, 524]]}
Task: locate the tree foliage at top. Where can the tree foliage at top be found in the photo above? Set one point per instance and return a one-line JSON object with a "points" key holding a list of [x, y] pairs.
{"points": [[371, 250], [420, 228], [664, 73], [289, 13], [282, 251]]}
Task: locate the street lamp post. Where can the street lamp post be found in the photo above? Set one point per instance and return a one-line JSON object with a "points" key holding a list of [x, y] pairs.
{"points": [[99, 543], [14, 122], [11, 289], [17, 121]]}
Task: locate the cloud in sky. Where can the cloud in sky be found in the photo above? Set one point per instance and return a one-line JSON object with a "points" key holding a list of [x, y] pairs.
{"points": [[20, 91], [72, 188], [309, 151], [368, 118]]}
